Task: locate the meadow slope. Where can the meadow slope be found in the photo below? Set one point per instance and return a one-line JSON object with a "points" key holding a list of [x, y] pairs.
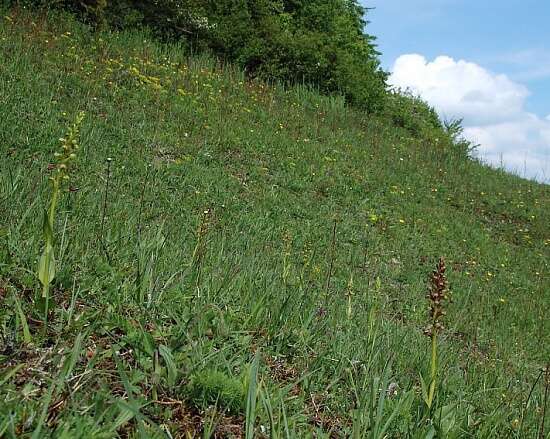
{"points": [[220, 233]]}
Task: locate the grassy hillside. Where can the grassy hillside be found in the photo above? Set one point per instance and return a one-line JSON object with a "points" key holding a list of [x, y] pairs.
{"points": [[238, 259]]}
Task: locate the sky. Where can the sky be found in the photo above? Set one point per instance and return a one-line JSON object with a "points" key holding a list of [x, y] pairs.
{"points": [[485, 61]]}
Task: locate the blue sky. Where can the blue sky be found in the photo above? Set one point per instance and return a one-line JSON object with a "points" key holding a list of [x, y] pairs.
{"points": [[487, 61]]}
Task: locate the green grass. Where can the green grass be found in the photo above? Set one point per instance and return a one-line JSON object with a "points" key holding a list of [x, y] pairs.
{"points": [[211, 218]]}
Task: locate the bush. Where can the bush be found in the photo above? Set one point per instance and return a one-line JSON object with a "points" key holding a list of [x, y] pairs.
{"points": [[411, 113], [453, 131]]}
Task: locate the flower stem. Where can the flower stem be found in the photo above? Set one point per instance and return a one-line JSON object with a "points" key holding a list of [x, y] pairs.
{"points": [[434, 369]]}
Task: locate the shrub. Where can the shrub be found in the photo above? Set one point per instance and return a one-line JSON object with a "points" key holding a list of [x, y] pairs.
{"points": [[411, 113]]}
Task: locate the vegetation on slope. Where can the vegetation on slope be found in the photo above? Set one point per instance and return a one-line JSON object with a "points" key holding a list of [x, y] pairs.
{"points": [[317, 42], [236, 259]]}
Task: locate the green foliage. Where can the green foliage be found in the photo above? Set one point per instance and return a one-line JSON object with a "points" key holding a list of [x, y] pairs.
{"points": [[320, 42], [64, 159], [453, 130], [214, 388], [217, 240], [252, 396], [411, 113]]}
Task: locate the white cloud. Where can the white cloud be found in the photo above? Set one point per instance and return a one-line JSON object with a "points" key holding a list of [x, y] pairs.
{"points": [[492, 106]]}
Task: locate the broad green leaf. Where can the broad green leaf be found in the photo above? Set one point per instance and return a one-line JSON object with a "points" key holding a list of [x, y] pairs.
{"points": [[46, 266], [425, 391]]}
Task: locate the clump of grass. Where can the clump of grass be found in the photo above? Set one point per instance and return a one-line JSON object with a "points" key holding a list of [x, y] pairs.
{"points": [[215, 388], [438, 294], [64, 158]]}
